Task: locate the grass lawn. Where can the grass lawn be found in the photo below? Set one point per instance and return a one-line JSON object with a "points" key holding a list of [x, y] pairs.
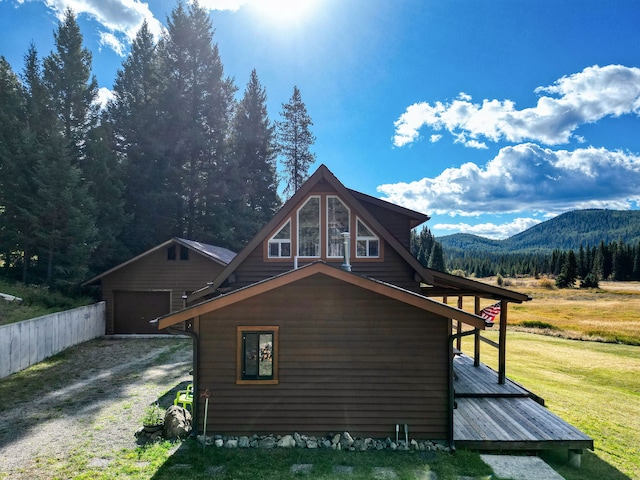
{"points": [[594, 386], [36, 302]]}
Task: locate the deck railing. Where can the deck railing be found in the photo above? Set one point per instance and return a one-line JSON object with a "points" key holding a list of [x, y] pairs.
{"points": [[477, 337]]}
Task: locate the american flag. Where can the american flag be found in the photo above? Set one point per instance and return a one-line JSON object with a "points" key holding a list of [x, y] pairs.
{"points": [[490, 313]]}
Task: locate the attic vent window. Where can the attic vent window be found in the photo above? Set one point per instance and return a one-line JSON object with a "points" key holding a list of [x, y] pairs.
{"points": [[280, 243], [367, 243], [171, 252]]}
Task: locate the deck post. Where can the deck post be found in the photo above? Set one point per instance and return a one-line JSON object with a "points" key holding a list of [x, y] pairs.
{"points": [[452, 401], [575, 458], [476, 336], [459, 330], [502, 343]]}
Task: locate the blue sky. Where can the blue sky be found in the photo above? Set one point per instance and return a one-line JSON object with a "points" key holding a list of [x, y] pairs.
{"points": [[490, 116]]}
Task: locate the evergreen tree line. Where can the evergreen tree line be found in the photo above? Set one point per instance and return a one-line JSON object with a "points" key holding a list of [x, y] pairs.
{"points": [[427, 250], [613, 261], [174, 153]]}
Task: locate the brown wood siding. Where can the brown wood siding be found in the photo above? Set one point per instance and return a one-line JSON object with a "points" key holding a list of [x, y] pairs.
{"points": [[349, 359], [394, 269], [154, 272], [398, 225]]}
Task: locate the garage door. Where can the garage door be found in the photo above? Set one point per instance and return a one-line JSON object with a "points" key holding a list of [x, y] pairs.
{"points": [[132, 311]]}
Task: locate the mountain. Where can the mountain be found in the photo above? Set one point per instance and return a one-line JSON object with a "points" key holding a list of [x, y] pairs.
{"points": [[564, 232]]}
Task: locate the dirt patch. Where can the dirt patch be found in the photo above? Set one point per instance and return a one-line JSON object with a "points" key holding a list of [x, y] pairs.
{"points": [[89, 399]]}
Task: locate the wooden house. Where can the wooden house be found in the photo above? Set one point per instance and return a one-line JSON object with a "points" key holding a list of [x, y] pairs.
{"points": [[156, 282], [325, 322]]}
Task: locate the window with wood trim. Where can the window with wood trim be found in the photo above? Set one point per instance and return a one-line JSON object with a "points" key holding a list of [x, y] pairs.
{"points": [[257, 355], [280, 243], [367, 243], [309, 228], [337, 224]]}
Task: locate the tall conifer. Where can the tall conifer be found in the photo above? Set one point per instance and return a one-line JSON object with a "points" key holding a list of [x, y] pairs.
{"points": [[254, 198], [294, 142]]}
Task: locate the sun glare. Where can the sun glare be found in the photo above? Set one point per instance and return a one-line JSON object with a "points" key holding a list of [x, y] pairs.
{"points": [[285, 12]]}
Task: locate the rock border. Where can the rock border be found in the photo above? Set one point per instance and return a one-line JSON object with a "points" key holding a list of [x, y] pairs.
{"points": [[331, 441]]}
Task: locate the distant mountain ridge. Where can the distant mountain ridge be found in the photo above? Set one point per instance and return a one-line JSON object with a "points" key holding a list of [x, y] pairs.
{"points": [[564, 232]]}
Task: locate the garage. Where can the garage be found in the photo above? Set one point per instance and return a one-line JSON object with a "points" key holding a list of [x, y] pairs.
{"points": [[132, 311], [154, 283]]}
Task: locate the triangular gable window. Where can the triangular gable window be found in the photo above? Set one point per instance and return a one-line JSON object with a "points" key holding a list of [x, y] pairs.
{"points": [[367, 243], [280, 243]]}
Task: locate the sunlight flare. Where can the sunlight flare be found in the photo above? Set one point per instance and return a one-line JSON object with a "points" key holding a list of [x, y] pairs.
{"points": [[284, 12]]}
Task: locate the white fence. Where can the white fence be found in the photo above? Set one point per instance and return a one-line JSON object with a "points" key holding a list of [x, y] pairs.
{"points": [[26, 343]]}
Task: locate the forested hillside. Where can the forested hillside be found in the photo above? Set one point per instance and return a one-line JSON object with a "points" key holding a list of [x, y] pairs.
{"points": [[564, 232], [599, 244]]}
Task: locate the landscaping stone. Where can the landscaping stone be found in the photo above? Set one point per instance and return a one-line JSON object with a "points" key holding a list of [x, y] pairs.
{"points": [[342, 470], [426, 474], [519, 467], [243, 442], [302, 468], [286, 442], [216, 470], [267, 443], [177, 422], [346, 440], [384, 473]]}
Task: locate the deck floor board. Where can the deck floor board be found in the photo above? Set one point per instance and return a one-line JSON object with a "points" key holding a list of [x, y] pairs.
{"points": [[491, 416]]}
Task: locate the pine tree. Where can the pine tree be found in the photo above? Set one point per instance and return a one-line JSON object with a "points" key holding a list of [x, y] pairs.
{"points": [[253, 200], [104, 178], [64, 209], [12, 111], [72, 89], [294, 143], [138, 140], [436, 258], [196, 105], [568, 272]]}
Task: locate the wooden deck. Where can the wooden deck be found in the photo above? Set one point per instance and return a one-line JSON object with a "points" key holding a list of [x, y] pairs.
{"points": [[490, 416]]}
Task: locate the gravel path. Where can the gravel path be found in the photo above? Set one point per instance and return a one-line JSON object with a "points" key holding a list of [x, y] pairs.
{"points": [[90, 399]]}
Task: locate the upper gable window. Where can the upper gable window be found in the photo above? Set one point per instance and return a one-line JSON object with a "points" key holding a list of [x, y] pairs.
{"points": [[367, 244], [280, 243], [309, 228], [337, 224]]}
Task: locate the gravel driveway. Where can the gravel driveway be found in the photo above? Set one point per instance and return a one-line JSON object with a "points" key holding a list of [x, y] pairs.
{"points": [[89, 399]]}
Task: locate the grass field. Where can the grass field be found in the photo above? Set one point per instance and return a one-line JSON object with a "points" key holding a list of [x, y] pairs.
{"points": [[608, 314]]}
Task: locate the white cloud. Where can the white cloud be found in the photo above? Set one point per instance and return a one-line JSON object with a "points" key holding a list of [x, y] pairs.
{"points": [[233, 5], [489, 230], [121, 19], [526, 177], [584, 97], [104, 95]]}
